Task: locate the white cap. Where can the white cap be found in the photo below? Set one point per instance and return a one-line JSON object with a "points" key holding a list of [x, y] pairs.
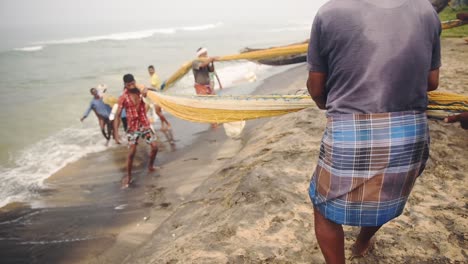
{"points": [[201, 51]]}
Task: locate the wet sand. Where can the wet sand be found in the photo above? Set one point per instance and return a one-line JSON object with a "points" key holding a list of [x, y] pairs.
{"points": [[238, 201]]}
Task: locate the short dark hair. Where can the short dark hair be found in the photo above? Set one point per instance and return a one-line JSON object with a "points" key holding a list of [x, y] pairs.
{"points": [[199, 49], [151, 67], [128, 78], [91, 90]]}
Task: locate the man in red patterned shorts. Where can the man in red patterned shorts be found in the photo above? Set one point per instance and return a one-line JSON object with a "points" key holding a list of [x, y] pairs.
{"points": [[138, 124]]}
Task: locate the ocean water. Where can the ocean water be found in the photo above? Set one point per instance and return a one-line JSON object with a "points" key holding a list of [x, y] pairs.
{"points": [[45, 87]]}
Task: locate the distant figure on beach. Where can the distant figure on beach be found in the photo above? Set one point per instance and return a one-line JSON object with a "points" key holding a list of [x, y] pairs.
{"points": [[462, 118], [156, 84], [371, 64], [102, 112], [155, 81], [138, 124], [203, 68]]}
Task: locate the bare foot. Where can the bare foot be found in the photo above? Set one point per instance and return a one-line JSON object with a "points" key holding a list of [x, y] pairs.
{"points": [[360, 249], [153, 168], [126, 182]]}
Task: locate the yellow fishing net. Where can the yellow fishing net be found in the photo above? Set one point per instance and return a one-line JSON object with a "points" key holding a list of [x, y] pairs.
{"points": [[225, 109]]}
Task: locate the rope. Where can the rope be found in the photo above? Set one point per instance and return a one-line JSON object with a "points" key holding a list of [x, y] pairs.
{"points": [[453, 23]]}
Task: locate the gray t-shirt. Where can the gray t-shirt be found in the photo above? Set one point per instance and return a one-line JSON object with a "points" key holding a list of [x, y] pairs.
{"points": [[377, 54], [201, 74]]}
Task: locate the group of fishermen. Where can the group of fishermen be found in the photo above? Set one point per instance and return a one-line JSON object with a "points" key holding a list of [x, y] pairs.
{"points": [[133, 105], [371, 64]]}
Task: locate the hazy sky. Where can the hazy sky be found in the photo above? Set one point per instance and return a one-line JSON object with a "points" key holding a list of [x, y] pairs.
{"points": [[23, 22], [14, 13]]}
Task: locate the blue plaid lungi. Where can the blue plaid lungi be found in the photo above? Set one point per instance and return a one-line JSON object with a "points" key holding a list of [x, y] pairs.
{"points": [[367, 166]]}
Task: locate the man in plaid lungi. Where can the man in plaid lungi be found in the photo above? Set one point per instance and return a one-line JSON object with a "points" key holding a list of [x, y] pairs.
{"points": [[371, 64]]}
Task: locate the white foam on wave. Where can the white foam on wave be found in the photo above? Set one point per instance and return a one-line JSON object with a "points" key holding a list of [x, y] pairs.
{"points": [[141, 34], [290, 29], [116, 36], [39, 161], [202, 27], [231, 74], [30, 49]]}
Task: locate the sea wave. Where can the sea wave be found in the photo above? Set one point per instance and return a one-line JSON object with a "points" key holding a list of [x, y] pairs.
{"points": [[291, 28], [30, 49], [39, 161], [202, 27], [122, 36], [116, 36], [230, 74]]}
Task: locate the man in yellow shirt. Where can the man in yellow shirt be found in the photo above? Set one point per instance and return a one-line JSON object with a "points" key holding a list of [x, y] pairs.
{"points": [[155, 81], [165, 125]]}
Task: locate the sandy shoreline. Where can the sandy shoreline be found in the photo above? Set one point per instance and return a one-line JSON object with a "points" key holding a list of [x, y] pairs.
{"points": [[239, 201], [256, 208]]}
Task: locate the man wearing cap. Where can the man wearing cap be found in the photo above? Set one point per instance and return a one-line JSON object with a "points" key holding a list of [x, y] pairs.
{"points": [[138, 124], [202, 67]]}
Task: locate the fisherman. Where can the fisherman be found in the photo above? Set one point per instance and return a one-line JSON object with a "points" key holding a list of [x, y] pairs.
{"points": [[156, 84], [138, 124], [202, 67], [102, 112], [372, 79], [155, 81]]}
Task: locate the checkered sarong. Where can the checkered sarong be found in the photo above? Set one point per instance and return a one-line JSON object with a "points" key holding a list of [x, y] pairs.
{"points": [[367, 166]]}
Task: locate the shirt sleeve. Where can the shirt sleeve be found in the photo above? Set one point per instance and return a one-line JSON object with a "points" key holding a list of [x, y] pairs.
{"points": [[436, 56], [316, 61], [85, 115]]}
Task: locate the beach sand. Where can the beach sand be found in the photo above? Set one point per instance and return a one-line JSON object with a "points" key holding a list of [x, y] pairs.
{"points": [[222, 200], [256, 208]]}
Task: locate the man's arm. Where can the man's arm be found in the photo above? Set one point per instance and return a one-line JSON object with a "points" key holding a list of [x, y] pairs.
{"points": [[462, 118], [87, 112], [316, 86], [206, 61], [433, 80], [142, 88]]}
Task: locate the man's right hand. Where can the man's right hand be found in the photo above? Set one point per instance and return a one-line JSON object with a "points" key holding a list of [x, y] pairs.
{"points": [[81, 119], [462, 118]]}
